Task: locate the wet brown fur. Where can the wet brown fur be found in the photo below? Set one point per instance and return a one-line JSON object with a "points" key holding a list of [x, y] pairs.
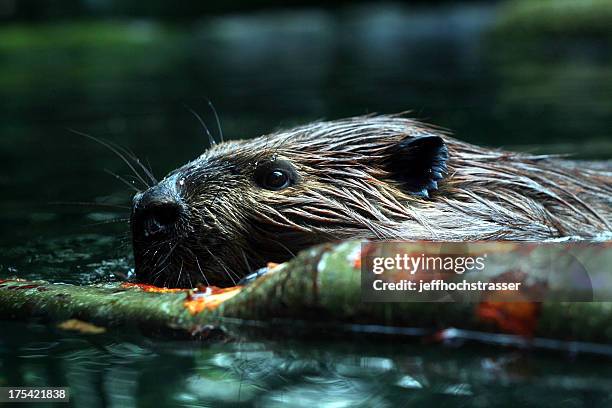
{"points": [[346, 190]]}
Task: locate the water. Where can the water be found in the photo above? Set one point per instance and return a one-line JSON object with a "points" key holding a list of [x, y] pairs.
{"points": [[129, 370], [129, 81]]}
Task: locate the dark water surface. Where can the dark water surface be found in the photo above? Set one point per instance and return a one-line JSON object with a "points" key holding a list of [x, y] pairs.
{"points": [[129, 81]]}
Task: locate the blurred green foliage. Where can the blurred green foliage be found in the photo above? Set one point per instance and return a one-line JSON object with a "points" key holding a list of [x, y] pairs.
{"points": [[553, 63], [556, 18], [94, 34], [75, 54]]}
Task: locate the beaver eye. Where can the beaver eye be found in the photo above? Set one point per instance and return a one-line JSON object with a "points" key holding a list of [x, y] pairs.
{"points": [[276, 180], [275, 175]]}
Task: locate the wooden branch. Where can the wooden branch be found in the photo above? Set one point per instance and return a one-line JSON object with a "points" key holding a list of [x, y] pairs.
{"points": [[321, 287]]}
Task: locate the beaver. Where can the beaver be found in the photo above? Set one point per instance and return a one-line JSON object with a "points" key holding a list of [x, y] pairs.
{"points": [[245, 203]]}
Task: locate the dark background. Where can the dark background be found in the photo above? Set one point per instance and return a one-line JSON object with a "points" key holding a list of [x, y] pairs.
{"points": [[529, 75]]}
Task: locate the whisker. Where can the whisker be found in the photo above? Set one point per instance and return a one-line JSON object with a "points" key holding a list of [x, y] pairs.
{"points": [[211, 140], [150, 168], [124, 181], [246, 261], [155, 274], [190, 281], [285, 248], [158, 274], [222, 265], [198, 264], [168, 254], [212, 107], [178, 279], [113, 221], [157, 248], [92, 204], [123, 245], [201, 271], [133, 156], [113, 149]]}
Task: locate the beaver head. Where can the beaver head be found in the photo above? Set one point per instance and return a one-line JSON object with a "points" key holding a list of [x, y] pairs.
{"points": [[245, 203]]}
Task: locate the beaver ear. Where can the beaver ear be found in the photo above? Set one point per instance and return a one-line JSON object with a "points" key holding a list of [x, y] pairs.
{"points": [[419, 163]]}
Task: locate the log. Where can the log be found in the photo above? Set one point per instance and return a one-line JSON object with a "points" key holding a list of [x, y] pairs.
{"points": [[320, 290]]}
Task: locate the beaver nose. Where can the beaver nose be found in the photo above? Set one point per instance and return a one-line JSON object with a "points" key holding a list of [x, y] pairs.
{"points": [[155, 212]]}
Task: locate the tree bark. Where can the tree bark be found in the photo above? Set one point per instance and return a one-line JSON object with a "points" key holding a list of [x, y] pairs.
{"points": [[320, 288]]}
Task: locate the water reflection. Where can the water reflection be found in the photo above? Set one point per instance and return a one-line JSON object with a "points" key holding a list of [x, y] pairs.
{"points": [[131, 371]]}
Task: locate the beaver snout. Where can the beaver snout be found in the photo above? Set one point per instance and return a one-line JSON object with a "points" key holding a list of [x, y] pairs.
{"points": [[155, 213]]}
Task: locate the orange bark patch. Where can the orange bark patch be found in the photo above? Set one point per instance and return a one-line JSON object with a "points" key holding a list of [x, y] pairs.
{"points": [[513, 312], [515, 318], [357, 261], [367, 250], [209, 299], [151, 288]]}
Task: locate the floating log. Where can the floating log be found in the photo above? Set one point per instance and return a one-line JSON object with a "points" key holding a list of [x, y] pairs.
{"points": [[320, 289]]}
